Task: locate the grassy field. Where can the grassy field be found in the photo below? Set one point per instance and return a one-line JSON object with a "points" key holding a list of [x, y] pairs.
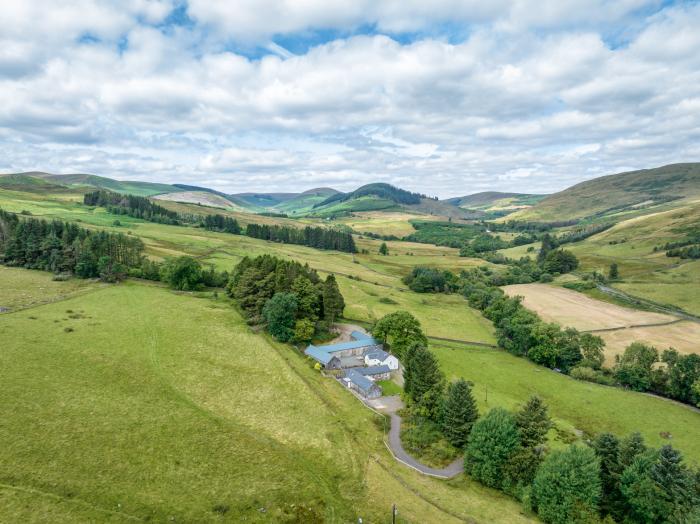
{"points": [[382, 223], [22, 288], [578, 408], [187, 416], [446, 316]]}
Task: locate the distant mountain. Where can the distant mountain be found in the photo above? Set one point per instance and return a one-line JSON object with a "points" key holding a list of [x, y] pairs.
{"points": [[383, 197], [619, 193]]}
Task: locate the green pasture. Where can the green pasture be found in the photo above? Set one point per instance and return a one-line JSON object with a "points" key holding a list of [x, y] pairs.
{"points": [[580, 409], [133, 402]]}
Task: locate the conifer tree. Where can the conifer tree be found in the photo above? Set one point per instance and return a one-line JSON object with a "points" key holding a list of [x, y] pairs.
{"points": [[333, 303], [630, 448], [459, 413], [607, 449], [426, 381]]}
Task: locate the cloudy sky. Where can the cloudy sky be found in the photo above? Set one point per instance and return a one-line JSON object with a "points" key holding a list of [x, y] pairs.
{"points": [[448, 97]]}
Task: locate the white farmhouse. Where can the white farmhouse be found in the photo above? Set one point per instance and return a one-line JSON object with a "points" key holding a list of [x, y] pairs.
{"points": [[379, 357]]}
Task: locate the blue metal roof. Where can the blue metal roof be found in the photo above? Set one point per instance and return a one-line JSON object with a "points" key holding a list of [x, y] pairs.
{"points": [[359, 335], [359, 380], [352, 344], [318, 354]]}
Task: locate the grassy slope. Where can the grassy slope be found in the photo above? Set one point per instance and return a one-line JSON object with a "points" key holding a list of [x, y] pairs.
{"points": [[623, 189], [178, 414], [645, 273], [508, 381]]}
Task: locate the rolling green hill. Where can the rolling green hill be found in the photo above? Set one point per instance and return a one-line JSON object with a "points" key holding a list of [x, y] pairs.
{"points": [[619, 193], [27, 182], [383, 197], [118, 186]]}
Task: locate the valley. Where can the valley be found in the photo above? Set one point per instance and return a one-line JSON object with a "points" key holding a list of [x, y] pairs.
{"points": [[177, 402]]}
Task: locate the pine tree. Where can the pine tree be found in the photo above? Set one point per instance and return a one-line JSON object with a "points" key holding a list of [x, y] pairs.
{"points": [[383, 249], [614, 272], [459, 413], [533, 422], [630, 448], [307, 298], [333, 303], [607, 449], [426, 381]]}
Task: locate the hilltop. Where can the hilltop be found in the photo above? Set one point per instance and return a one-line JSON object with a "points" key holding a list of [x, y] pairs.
{"points": [[619, 193]]}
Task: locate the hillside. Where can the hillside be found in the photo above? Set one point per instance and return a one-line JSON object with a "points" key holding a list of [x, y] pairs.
{"points": [[383, 197], [622, 192], [496, 201], [27, 182]]}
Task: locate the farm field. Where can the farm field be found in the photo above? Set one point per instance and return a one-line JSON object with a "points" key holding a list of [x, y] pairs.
{"points": [[446, 316], [382, 223], [623, 325], [177, 419], [582, 408]]}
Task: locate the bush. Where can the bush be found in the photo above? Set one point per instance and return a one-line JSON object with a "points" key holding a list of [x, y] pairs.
{"points": [[591, 375], [388, 300], [546, 277]]}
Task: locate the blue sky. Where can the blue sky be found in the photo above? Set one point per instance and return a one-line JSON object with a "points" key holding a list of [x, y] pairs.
{"points": [[445, 97]]}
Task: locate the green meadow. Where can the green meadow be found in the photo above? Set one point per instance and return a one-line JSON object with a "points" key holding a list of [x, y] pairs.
{"points": [[133, 402]]}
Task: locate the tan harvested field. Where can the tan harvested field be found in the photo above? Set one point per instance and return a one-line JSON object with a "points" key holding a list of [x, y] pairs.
{"points": [[623, 325]]}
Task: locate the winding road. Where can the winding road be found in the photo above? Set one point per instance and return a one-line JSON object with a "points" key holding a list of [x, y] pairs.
{"points": [[390, 406]]}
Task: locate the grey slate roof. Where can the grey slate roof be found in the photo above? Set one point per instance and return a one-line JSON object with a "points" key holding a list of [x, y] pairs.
{"points": [[360, 380], [373, 370], [379, 354]]}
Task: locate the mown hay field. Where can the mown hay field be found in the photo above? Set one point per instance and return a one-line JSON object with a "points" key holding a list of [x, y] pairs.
{"points": [[619, 326]]}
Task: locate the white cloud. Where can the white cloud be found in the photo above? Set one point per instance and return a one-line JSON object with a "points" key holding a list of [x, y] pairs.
{"points": [[507, 108]]}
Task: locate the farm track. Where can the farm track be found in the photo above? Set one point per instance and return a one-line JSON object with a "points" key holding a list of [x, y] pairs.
{"points": [[682, 315], [620, 328]]}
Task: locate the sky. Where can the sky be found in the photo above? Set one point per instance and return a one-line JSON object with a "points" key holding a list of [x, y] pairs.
{"points": [[445, 97]]}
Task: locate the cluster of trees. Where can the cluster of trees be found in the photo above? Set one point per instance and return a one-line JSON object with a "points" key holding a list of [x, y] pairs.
{"points": [[62, 247], [609, 480], [222, 224], [131, 205], [289, 298], [318, 237], [678, 378], [692, 252], [447, 234], [582, 233], [552, 259], [431, 280]]}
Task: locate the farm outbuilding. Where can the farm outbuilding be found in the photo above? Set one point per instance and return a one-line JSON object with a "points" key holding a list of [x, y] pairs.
{"points": [[363, 385]]}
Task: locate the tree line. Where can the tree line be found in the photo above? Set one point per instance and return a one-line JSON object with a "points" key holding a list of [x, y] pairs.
{"points": [[62, 247], [608, 480], [144, 208], [132, 205], [581, 355], [288, 298], [317, 237]]}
